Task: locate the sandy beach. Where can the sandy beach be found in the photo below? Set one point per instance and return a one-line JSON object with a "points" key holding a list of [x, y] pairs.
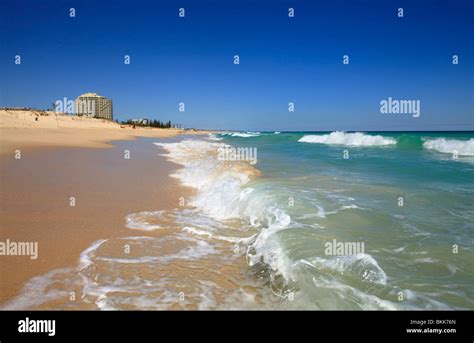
{"points": [[57, 164], [26, 130]]}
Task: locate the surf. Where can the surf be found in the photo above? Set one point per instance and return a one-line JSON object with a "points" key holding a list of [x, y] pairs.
{"points": [[450, 146], [356, 139]]}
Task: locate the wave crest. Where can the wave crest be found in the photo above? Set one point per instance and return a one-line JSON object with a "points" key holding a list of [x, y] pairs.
{"points": [[357, 139], [449, 146], [242, 134]]}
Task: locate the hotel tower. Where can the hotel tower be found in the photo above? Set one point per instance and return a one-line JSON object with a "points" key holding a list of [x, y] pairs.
{"points": [[94, 105]]}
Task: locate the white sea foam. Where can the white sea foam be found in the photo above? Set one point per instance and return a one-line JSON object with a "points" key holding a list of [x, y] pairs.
{"points": [[450, 146], [42, 284], [357, 139], [218, 182], [213, 137], [345, 207], [245, 135], [108, 290], [85, 259], [222, 194], [242, 134], [364, 300], [362, 265], [211, 235], [140, 221]]}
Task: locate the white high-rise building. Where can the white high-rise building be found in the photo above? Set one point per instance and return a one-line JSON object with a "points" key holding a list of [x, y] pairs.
{"points": [[94, 105]]}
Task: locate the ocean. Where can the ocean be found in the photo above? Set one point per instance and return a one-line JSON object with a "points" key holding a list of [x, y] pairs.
{"points": [[293, 220], [407, 198]]}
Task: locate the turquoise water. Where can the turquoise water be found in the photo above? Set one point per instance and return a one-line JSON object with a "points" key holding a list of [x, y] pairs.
{"points": [[405, 196]]}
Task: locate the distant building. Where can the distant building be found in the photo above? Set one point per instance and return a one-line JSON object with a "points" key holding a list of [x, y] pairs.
{"points": [[94, 105]]}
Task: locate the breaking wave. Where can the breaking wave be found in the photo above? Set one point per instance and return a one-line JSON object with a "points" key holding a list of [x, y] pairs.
{"points": [[449, 146], [242, 134], [357, 139], [223, 193]]}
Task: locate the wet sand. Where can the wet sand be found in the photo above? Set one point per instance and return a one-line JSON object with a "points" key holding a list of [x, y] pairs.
{"points": [[29, 139], [35, 201]]}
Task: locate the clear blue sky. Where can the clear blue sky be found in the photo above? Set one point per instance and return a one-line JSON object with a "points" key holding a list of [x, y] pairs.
{"points": [[282, 59]]}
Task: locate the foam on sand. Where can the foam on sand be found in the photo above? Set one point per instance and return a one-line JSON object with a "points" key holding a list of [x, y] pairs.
{"points": [[357, 139], [141, 221]]}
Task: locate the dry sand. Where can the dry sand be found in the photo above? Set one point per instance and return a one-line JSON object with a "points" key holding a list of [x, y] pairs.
{"points": [[25, 130]]}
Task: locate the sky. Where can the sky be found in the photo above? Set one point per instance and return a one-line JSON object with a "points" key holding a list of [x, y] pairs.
{"points": [[282, 60]]}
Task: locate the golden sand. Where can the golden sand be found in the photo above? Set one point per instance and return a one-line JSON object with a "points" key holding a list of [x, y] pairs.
{"points": [[24, 130], [35, 203]]}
